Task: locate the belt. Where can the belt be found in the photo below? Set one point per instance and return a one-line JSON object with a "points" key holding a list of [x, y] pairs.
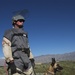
{"points": [[23, 49]]}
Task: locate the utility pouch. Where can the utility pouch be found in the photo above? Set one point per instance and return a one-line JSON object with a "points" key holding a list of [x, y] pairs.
{"points": [[24, 58], [27, 51]]}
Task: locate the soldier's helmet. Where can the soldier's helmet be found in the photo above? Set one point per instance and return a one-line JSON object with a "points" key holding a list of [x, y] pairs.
{"points": [[17, 17]]}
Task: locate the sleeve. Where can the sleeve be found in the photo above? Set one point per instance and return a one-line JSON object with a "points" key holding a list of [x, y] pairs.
{"points": [[6, 45], [31, 55]]}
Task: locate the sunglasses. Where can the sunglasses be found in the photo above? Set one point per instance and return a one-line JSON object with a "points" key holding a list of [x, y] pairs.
{"points": [[21, 20]]}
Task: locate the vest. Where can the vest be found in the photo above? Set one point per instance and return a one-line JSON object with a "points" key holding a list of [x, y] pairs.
{"points": [[18, 38], [19, 41]]}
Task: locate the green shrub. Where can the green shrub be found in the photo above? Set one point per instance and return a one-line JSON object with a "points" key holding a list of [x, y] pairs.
{"points": [[68, 68]]}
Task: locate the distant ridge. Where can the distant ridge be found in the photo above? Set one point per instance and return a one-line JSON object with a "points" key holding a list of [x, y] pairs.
{"points": [[2, 62], [47, 58], [59, 57]]}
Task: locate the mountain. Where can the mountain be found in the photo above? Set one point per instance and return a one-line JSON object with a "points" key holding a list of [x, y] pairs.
{"points": [[47, 58], [2, 62], [59, 57]]}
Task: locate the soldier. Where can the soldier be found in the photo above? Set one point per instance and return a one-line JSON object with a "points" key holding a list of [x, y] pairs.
{"points": [[16, 48]]}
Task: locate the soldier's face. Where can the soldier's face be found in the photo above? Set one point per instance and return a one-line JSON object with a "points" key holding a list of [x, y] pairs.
{"points": [[20, 22]]}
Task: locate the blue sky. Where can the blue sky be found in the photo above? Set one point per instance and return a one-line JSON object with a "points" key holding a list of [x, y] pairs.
{"points": [[50, 25]]}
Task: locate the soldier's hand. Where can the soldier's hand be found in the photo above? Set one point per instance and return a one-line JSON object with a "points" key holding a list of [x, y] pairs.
{"points": [[12, 67], [32, 62]]}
